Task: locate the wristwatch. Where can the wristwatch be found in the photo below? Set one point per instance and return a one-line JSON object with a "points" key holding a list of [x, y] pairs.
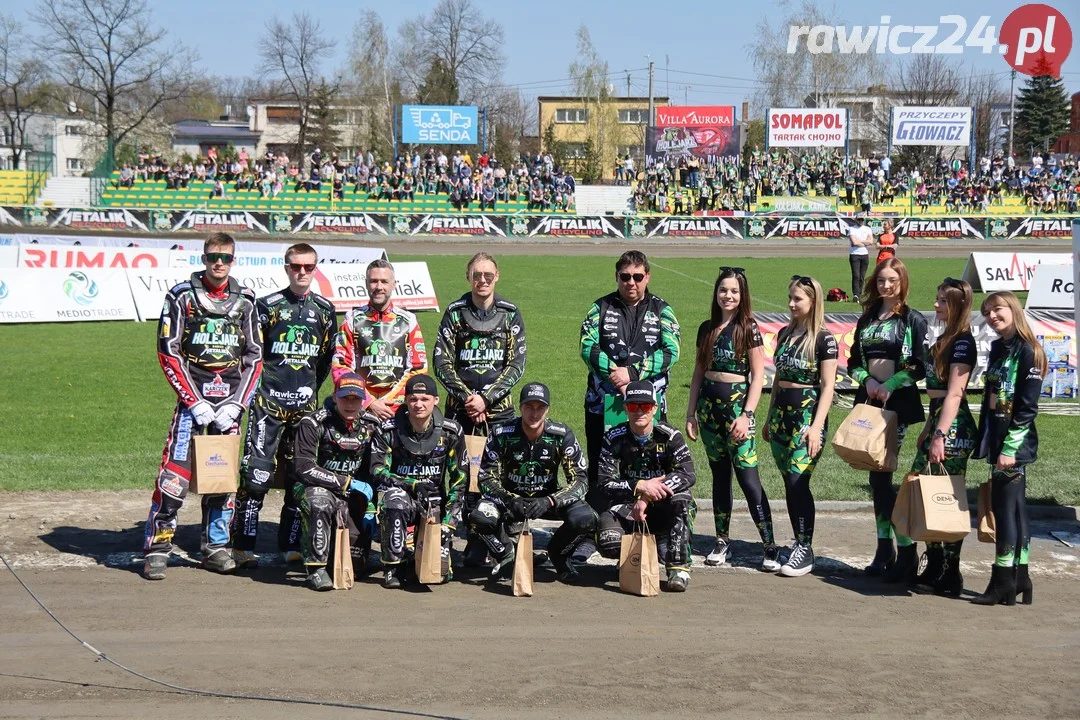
{"points": [[938, 433], [749, 414]]}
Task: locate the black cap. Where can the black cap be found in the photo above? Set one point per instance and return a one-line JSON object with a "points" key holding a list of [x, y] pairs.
{"points": [[537, 392], [421, 384], [640, 391]]}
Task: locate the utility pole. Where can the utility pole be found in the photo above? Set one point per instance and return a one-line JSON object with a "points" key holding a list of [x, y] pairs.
{"points": [[627, 82], [652, 102], [1012, 110], [685, 93]]}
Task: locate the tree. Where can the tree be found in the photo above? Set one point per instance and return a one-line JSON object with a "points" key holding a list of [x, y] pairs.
{"points": [[588, 74], [459, 43], [293, 52], [553, 146], [1042, 112], [375, 78], [321, 131], [107, 51], [755, 138], [22, 86]]}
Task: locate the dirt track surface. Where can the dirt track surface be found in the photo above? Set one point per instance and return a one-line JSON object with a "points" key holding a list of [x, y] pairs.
{"points": [[739, 643]]}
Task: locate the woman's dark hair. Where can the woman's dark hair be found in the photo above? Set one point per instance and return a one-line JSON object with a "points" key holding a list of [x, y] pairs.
{"points": [[957, 320], [743, 322]]}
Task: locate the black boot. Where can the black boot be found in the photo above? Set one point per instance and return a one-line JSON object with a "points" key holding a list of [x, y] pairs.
{"points": [[883, 558], [935, 558], [1002, 587], [1023, 584], [905, 567], [950, 582]]}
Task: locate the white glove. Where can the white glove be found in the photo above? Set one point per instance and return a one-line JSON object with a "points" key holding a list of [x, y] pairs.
{"points": [[226, 417], [203, 412]]}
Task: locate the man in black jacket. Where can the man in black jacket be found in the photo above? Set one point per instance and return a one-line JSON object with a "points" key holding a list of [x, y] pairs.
{"points": [[646, 473]]}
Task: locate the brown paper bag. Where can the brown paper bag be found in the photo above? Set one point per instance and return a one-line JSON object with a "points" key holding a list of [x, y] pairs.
{"points": [[523, 564], [987, 526], [429, 551], [901, 514], [867, 439], [342, 560], [216, 466], [639, 564], [474, 445], [939, 509]]}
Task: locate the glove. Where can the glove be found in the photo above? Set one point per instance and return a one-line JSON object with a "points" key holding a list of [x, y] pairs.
{"points": [[517, 508], [426, 492], [202, 412], [226, 417], [537, 506], [368, 528], [364, 488]]}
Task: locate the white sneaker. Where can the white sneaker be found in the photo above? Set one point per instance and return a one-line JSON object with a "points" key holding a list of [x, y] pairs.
{"points": [[584, 550], [718, 555], [770, 562]]}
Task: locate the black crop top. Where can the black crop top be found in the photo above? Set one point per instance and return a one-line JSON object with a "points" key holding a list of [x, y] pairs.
{"points": [[723, 352], [962, 352]]}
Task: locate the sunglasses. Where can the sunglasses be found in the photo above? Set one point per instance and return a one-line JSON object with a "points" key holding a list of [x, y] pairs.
{"points": [[297, 267], [488, 277], [635, 407], [212, 258], [732, 270], [802, 280], [627, 277]]}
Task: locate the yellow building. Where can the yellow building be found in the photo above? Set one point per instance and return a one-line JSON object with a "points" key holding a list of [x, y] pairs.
{"points": [[615, 125]]}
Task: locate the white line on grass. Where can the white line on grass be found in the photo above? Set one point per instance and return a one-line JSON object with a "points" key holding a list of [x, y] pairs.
{"points": [[757, 301]]}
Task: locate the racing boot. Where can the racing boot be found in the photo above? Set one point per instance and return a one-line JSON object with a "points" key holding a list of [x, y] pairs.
{"points": [[1002, 587], [154, 566], [319, 579], [476, 553], [905, 567], [677, 580], [219, 561], [565, 569], [935, 564], [391, 577], [502, 568], [245, 560], [883, 558]]}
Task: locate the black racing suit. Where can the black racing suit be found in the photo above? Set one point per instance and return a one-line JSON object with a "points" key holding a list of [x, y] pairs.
{"points": [[624, 460], [298, 336], [330, 474], [210, 348], [645, 340], [418, 475], [514, 467], [482, 352]]}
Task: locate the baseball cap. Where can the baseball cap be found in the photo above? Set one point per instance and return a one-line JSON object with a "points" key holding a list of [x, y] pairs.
{"points": [[421, 384], [537, 392], [350, 385], [640, 391]]}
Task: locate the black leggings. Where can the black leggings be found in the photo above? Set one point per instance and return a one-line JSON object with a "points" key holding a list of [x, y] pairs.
{"points": [[724, 500], [881, 485], [1008, 498], [800, 506]]}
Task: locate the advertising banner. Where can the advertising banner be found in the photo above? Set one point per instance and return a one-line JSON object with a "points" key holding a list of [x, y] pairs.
{"points": [[1051, 287], [1011, 228], [206, 222], [704, 142], [81, 256], [439, 124], [685, 227], [64, 295], [992, 271], [327, 223], [9, 256], [88, 218], [915, 125], [463, 225], [802, 127], [796, 204], [814, 228], [695, 116]]}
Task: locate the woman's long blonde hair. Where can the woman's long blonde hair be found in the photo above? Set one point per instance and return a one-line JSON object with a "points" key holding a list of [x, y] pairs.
{"points": [[814, 321], [1019, 322]]}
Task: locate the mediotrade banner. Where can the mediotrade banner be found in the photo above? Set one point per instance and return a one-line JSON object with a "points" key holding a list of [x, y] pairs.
{"points": [[342, 284], [842, 326], [802, 127], [62, 295], [993, 271], [704, 142], [916, 125], [695, 116], [439, 124]]}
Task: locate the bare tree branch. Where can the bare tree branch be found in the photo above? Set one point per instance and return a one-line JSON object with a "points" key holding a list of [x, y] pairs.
{"points": [[22, 86]]}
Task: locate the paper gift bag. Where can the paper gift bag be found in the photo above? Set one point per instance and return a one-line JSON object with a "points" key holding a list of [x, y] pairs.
{"points": [[474, 445], [901, 514], [429, 551], [342, 560], [639, 564], [216, 466], [523, 564], [867, 439], [939, 508], [987, 527]]}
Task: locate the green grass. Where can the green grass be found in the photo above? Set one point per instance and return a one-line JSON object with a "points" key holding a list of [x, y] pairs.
{"points": [[85, 404]]}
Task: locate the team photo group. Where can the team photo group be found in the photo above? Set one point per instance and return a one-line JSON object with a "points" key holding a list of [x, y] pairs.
{"points": [[388, 452]]}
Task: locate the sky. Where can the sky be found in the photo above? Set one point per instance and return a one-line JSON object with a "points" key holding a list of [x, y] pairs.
{"points": [[708, 38]]}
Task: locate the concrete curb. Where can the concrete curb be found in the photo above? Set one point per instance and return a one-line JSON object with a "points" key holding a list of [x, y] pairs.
{"points": [[1037, 512]]}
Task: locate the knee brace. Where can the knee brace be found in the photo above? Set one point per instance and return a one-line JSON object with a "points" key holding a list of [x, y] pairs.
{"points": [[581, 518], [257, 475], [485, 517]]}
